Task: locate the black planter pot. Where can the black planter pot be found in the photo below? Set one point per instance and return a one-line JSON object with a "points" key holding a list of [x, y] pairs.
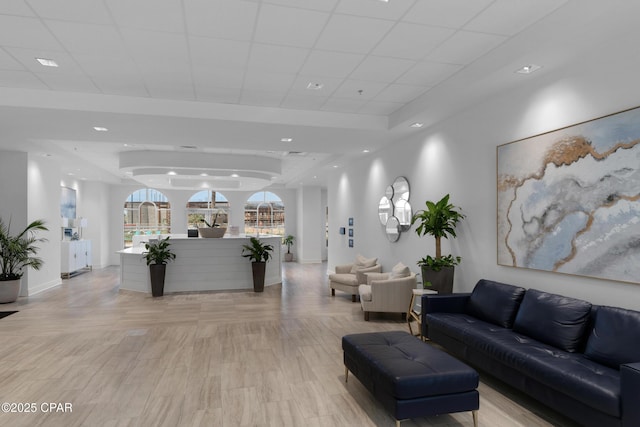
{"points": [[441, 281], [157, 273], [258, 269]]}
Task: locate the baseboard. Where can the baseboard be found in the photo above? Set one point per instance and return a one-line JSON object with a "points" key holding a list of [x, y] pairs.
{"points": [[310, 261], [43, 286]]}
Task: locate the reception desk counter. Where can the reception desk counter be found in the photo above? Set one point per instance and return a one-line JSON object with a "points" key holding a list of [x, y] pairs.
{"points": [[200, 265]]}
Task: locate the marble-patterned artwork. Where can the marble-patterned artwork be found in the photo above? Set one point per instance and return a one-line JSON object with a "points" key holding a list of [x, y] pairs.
{"points": [[568, 200]]}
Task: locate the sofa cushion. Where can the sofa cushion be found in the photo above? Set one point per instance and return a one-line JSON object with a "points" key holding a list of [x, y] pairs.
{"points": [[615, 338], [495, 302], [362, 262], [399, 270], [345, 278], [553, 319]]}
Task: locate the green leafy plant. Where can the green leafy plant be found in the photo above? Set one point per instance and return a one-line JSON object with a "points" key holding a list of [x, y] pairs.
{"points": [[158, 252], [289, 242], [439, 220], [19, 252], [257, 251]]}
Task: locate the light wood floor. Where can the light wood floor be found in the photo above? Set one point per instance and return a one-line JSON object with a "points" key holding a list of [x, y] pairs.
{"points": [[216, 359]]}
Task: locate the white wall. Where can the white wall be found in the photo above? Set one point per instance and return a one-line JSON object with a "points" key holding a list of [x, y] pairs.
{"points": [[310, 224], [458, 156]]}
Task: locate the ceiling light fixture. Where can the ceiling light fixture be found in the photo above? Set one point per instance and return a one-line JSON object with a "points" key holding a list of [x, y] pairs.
{"points": [[204, 174], [417, 125], [365, 151], [47, 62], [235, 175], [528, 69], [315, 86], [172, 173], [101, 129], [286, 139]]}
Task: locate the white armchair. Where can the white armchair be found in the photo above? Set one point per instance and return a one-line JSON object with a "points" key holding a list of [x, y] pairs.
{"points": [[348, 276], [387, 293]]}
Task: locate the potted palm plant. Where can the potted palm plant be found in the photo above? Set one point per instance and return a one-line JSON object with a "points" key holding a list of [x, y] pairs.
{"points": [[157, 256], [288, 257], [259, 254], [439, 220], [17, 252]]}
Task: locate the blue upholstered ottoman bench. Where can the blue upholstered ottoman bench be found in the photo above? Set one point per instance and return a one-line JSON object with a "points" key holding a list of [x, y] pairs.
{"points": [[410, 378]]}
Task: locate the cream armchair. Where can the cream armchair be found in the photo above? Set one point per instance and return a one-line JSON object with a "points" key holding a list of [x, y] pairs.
{"points": [[348, 276], [385, 293]]}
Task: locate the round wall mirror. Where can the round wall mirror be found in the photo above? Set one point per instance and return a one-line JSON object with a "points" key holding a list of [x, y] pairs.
{"points": [[393, 229], [401, 188], [385, 210], [403, 212], [389, 192]]}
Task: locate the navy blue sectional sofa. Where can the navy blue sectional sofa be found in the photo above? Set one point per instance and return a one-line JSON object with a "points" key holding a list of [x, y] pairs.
{"points": [[580, 359]]}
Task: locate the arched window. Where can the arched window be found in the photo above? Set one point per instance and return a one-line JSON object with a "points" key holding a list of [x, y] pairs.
{"points": [[264, 214], [210, 206], [146, 212]]}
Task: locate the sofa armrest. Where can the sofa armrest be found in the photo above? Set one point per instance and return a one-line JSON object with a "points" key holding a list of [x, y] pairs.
{"points": [[630, 390], [451, 303], [344, 268], [391, 295], [361, 273]]}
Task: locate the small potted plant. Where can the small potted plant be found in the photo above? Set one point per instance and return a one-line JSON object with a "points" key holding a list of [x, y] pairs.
{"points": [[157, 256], [213, 229], [259, 254], [288, 257], [17, 252], [439, 220]]}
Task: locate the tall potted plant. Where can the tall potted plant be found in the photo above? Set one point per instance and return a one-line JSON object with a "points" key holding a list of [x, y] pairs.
{"points": [[259, 254], [288, 257], [157, 256], [439, 220], [17, 252]]}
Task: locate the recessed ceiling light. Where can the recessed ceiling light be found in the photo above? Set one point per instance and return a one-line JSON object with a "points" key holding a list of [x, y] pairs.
{"points": [[234, 175], [365, 151], [286, 139], [528, 69], [70, 173], [47, 62], [335, 166], [101, 129], [417, 125], [172, 173], [204, 174], [315, 86]]}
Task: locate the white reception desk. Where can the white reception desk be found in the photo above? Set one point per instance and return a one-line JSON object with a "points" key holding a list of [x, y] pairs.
{"points": [[200, 265]]}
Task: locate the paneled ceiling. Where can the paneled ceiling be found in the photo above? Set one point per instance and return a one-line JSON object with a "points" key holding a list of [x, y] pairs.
{"points": [[237, 76]]}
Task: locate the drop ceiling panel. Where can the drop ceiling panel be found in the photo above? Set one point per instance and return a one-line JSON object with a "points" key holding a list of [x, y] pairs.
{"points": [[223, 95], [261, 98], [381, 69], [159, 88], [394, 9], [299, 102], [288, 26], [445, 13], [21, 79], [87, 11], [329, 86], [68, 82], [351, 89], [379, 108], [221, 18], [331, 64], [353, 34], [412, 41], [427, 73], [101, 65], [343, 105], [400, 93], [268, 81], [322, 5], [154, 15], [277, 58], [30, 33], [219, 77], [88, 38], [156, 46], [464, 47], [508, 17], [7, 61], [218, 52], [120, 85], [28, 58], [15, 7]]}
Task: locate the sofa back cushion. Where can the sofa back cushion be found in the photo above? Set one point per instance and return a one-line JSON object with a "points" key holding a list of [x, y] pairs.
{"points": [[495, 302], [615, 337], [553, 319], [362, 262], [399, 270]]}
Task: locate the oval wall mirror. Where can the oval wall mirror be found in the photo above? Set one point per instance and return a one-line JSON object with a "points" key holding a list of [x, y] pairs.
{"points": [[393, 229], [385, 210], [402, 211], [401, 188]]}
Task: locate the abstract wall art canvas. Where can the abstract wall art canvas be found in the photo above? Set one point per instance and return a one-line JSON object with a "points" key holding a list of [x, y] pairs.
{"points": [[67, 202], [568, 200]]}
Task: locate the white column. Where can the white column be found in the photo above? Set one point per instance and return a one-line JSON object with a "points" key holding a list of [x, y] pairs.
{"points": [[310, 225]]}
